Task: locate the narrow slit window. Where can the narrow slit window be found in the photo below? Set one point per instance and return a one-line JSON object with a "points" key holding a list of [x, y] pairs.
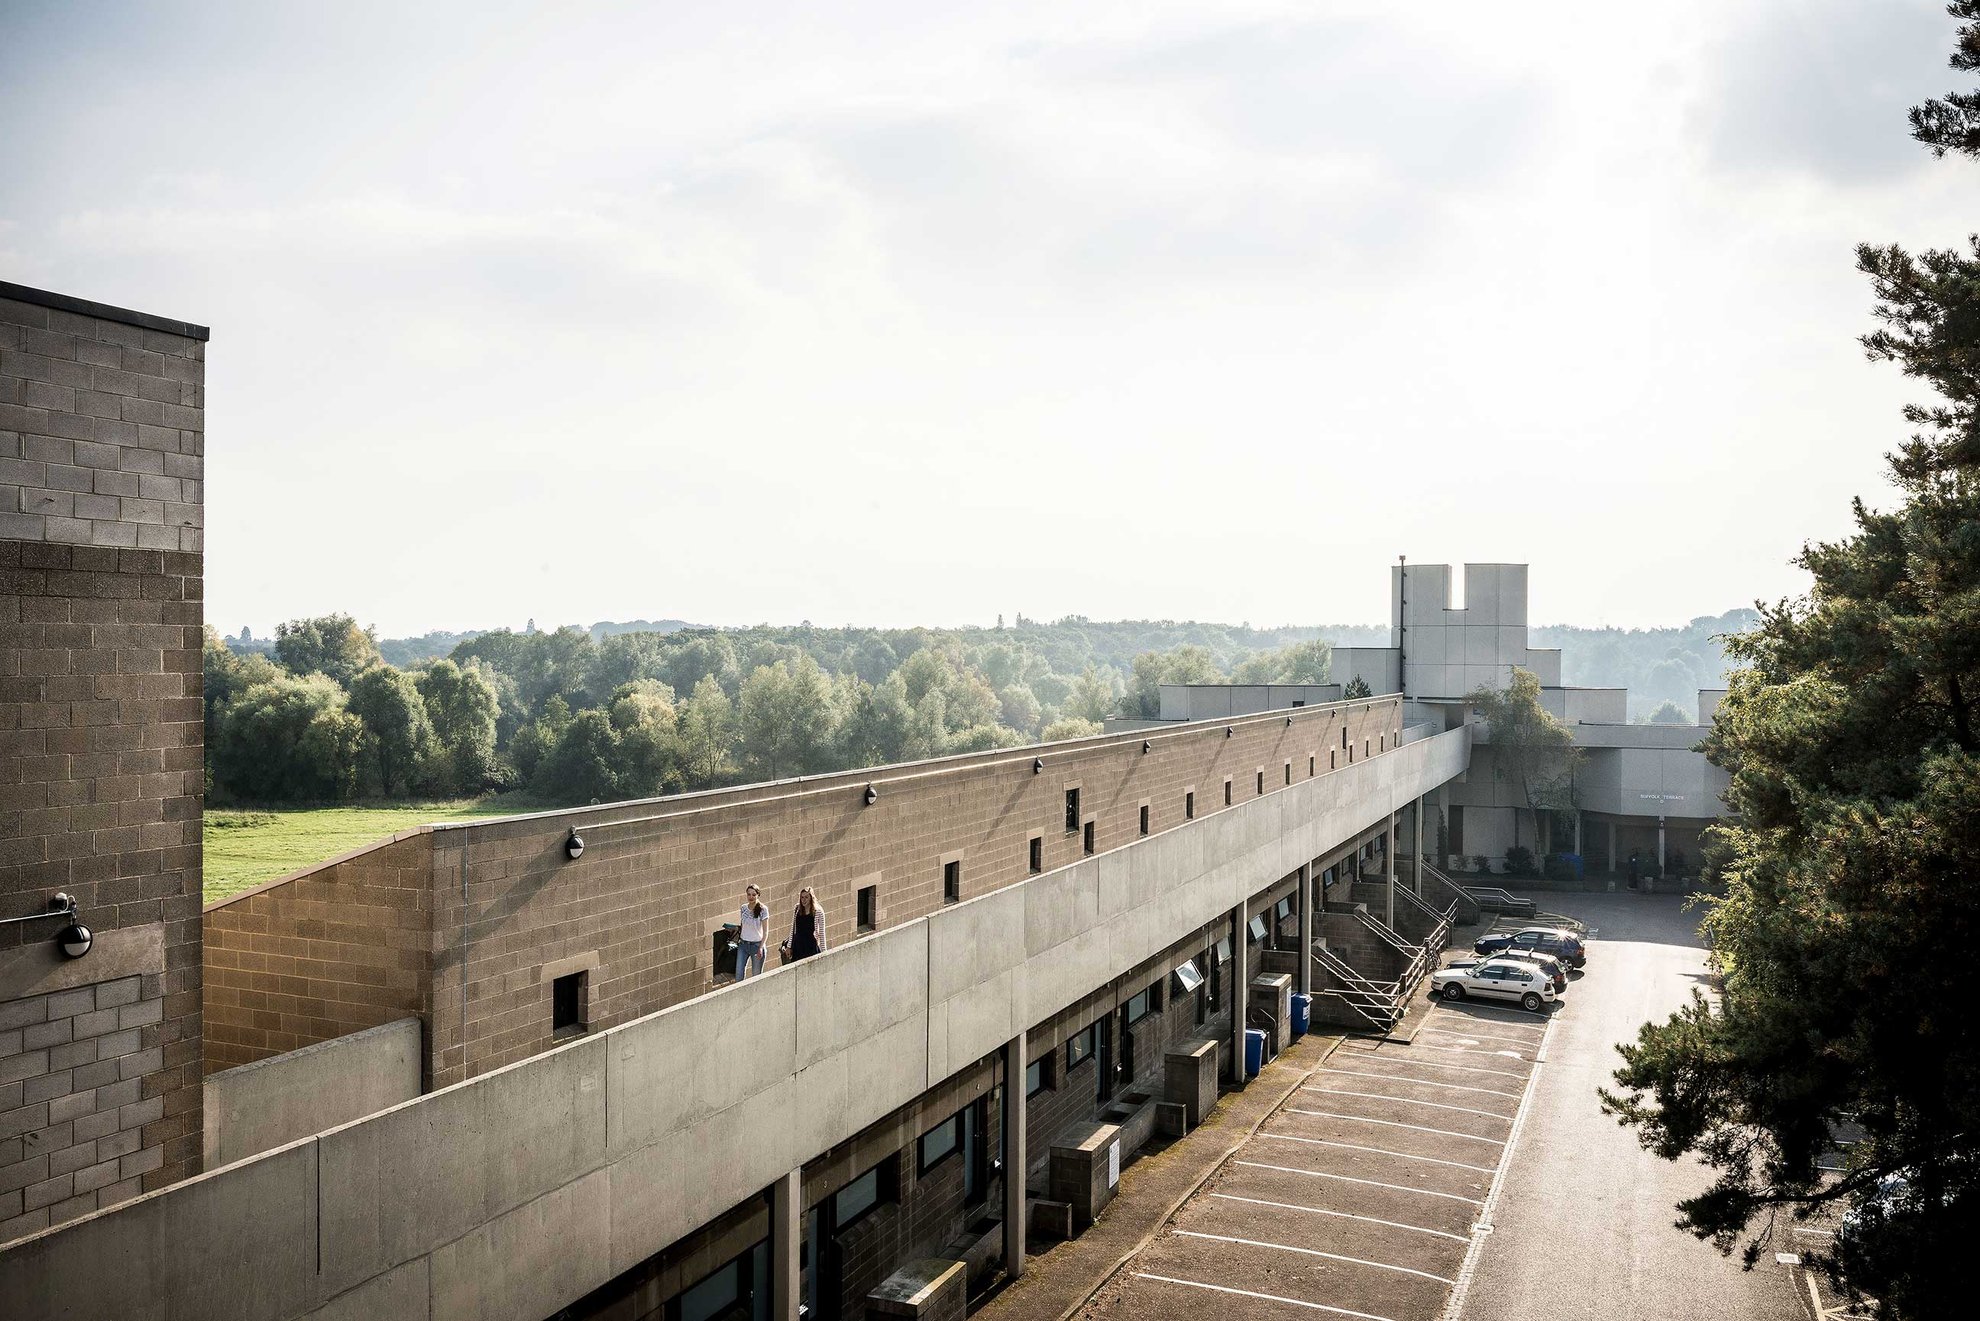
{"points": [[1072, 810], [1036, 862], [1259, 786], [951, 881], [1086, 839], [1288, 772], [869, 907], [1227, 793], [1189, 806], [1311, 761], [567, 1003], [1144, 818]]}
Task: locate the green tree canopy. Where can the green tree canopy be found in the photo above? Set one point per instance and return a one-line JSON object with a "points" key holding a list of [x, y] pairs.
{"points": [[328, 644], [1848, 861], [289, 739], [1533, 749], [398, 736]]}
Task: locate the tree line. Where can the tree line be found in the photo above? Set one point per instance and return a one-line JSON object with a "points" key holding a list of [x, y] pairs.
{"points": [[569, 717]]}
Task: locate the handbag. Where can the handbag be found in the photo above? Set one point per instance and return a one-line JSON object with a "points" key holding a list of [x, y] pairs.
{"points": [[784, 953]]}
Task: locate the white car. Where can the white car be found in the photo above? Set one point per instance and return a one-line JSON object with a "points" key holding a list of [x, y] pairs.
{"points": [[1496, 979]]}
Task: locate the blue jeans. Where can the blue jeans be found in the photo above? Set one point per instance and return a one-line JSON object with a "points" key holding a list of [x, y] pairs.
{"points": [[749, 958]]}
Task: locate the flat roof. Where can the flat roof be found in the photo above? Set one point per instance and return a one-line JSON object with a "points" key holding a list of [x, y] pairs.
{"points": [[22, 293]]}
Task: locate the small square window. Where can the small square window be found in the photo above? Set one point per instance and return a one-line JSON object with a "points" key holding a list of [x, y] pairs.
{"points": [[1036, 862], [1187, 977], [1144, 818], [869, 907], [1080, 1048], [951, 881], [1038, 1077], [1189, 806], [941, 1142], [1257, 928], [567, 1002], [1141, 1006], [1072, 810], [1086, 839]]}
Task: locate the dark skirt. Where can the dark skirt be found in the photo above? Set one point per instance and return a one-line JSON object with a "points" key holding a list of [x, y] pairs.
{"points": [[804, 935]]}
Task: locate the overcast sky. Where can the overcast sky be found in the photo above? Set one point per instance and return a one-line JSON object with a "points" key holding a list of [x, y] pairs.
{"points": [[916, 313]]}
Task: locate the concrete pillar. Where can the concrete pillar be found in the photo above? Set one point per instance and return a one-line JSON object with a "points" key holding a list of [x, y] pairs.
{"points": [[1389, 870], [1015, 1157], [1612, 847], [1306, 929], [1577, 832], [1660, 845], [1416, 881], [1240, 990], [786, 1232]]}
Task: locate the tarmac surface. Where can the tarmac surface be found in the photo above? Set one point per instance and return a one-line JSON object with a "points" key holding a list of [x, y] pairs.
{"points": [[1583, 1226], [1467, 1173]]}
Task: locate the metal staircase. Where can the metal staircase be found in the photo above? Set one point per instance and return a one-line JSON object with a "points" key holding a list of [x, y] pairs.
{"points": [[1378, 1004], [1439, 936], [1417, 957]]}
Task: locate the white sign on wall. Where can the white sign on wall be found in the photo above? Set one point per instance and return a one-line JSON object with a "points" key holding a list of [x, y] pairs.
{"points": [[1113, 1164]]}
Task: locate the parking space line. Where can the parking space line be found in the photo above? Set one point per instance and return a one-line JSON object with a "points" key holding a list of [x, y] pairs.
{"points": [[1380, 1151], [1394, 1123], [1461, 1068], [1478, 1036], [1343, 1215], [1315, 1252], [1424, 1082], [1268, 1297], [1404, 1100], [1465, 1050], [1372, 1183]]}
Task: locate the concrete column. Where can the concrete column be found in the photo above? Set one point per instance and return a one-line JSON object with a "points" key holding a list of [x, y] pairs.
{"points": [[1660, 845], [1389, 870], [1015, 1157], [1240, 993], [1577, 832], [786, 1232], [1417, 879], [1612, 847], [1305, 981]]}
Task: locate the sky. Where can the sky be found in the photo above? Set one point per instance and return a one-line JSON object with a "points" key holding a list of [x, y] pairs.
{"points": [[922, 312]]}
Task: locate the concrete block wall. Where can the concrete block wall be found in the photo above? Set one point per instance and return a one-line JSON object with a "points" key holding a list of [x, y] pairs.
{"points": [[341, 948], [514, 1193], [101, 777]]}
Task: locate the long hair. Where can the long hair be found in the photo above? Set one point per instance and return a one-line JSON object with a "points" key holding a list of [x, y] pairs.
{"points": [[807, 901], [756, 905]]}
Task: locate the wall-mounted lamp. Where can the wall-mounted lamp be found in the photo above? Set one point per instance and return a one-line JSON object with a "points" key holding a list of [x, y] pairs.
{"points": [[1288, 722], [574, 845], [1146, 747], [74, 939], [1228, 731], [1037, 765], [872, 795]]}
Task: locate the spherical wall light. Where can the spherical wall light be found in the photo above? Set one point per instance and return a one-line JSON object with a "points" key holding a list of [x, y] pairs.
{"points": [[74, 940], [574, 845]]}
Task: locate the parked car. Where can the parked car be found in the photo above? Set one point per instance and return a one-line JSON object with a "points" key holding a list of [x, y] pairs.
{"points": [[1547, 963], [1496, 979], [1563, 945]]}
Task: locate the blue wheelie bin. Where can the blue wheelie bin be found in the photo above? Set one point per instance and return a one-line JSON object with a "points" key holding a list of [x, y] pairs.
{"points": [[1254, 1051], [1302, 1014]]}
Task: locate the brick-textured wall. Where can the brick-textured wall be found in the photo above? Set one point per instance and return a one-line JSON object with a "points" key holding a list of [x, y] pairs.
{"points": [[101, 443], [344, 948], [72, 1071]]}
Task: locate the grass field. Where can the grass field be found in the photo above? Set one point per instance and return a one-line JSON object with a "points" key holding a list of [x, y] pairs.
{"points": [[243, 849]]}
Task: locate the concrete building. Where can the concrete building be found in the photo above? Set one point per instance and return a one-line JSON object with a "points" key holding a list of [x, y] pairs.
{"points": [[499, 1070], [101, 444], [1639, 789]]}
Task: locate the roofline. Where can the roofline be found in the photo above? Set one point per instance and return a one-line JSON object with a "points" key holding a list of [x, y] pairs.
{"points": [[22, 293]]}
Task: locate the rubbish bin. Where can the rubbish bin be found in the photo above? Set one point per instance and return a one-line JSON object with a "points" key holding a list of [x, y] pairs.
{"points": [[1302, 1015], [1254, 1051]]}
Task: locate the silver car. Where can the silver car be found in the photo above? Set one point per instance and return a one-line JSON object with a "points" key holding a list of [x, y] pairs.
{"points": [[1496, 979]]}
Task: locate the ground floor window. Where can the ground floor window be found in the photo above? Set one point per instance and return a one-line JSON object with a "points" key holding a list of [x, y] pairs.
{"points": [[737, 1290]]}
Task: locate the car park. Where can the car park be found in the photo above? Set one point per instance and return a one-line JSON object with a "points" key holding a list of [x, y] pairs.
{"points": [[1496, 979], [1563, 945], [1547, 963]]}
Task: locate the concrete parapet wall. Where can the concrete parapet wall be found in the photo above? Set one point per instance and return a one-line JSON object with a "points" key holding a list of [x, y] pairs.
{"points": [[257, 1107], [512, 1194]]}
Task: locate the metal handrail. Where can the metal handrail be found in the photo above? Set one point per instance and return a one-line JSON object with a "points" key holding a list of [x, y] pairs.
{"points": [[1440, 929], [1336, 966], [1458, 892], [1377, 1005]]}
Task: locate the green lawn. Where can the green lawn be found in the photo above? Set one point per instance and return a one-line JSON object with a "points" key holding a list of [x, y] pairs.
{"points": [[245, 848]]}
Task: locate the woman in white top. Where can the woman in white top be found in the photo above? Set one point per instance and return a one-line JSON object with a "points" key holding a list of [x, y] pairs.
{"points": [[755, 930]]}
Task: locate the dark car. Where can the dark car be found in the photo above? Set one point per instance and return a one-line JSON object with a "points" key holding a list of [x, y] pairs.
{"points": [[1563, 945]]}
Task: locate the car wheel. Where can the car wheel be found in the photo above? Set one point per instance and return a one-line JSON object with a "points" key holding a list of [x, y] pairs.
{"points": [[1453, 992], [1530, 1002]]}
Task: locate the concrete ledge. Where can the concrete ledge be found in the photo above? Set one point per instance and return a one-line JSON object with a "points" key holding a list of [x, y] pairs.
{"points": [[270, 1103], [21, 293]]}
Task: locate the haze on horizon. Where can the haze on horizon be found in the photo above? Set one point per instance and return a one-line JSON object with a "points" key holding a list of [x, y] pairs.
{"points": [[928, 313]]}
